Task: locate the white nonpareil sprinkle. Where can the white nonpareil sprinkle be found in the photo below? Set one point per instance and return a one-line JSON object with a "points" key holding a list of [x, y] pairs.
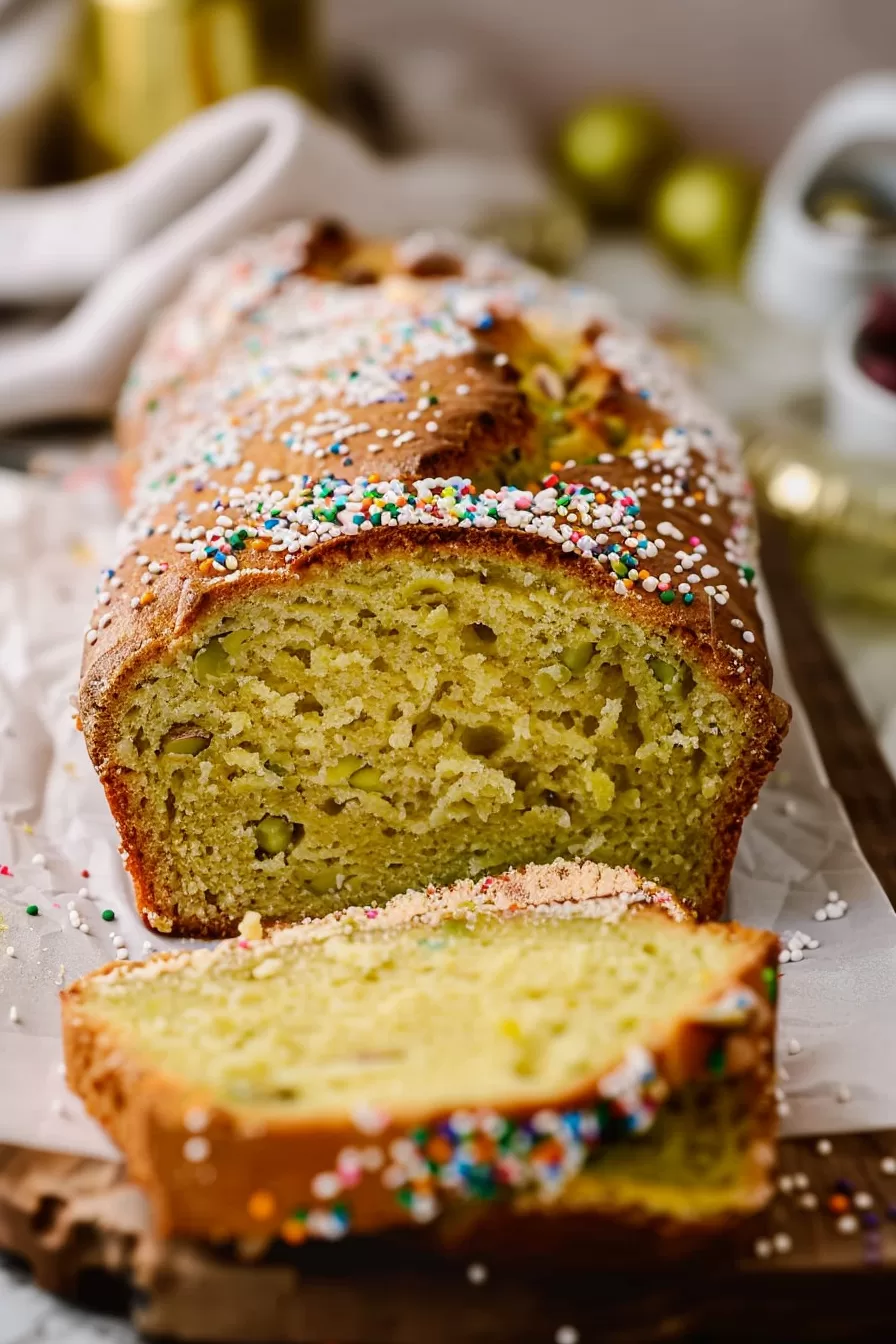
{"points": [[785, 1184], [763, 1248], [793, 1047], [82, 891], [10, 951], [326, 1185], [477, 1273], [808, 1200], [197, 1148], [824, 1147], [862, 1200], [38, 859], [800, 1180], [888, 1166], [847, 1224], [834, 908], [14, 1014], [783, 956], [121, 954], [567, 1334], [369, 1119], [783, 1243], [843, 1093]]}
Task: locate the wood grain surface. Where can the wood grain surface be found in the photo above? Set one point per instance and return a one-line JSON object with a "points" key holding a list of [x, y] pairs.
{"points": [[83, 1229]]}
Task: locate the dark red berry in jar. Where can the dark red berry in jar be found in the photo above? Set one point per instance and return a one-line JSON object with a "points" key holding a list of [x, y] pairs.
{"points": [[881, 369], [876, 344]]}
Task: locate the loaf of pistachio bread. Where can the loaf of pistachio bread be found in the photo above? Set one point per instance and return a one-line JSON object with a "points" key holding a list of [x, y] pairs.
{"points": [[433, 567], [561, 1038]]}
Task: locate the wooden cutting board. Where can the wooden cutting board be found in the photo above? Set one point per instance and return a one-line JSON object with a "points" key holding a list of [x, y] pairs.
{"points": [[83, 1229]]}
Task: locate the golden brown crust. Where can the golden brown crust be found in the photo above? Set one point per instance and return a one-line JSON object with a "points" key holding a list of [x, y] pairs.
{"points": [[228, 1172], [256, 348]]}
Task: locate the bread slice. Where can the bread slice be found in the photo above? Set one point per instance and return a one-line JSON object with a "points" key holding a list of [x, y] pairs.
{"points": [[517, 1041]]}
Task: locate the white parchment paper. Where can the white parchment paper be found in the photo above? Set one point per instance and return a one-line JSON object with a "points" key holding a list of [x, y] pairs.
{"points": [[838, 1003]]}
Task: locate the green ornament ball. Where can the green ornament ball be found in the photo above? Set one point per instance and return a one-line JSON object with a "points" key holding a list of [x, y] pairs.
{"points": [[701, 215], [611, 152], [552, 236]]}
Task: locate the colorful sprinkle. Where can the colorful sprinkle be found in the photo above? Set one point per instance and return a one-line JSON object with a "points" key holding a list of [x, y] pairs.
{"points": [[261, 1206], [295, 1230]]}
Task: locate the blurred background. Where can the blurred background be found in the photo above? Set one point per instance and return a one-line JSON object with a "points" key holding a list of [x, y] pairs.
{"points": [[736, 77], [728, 171]]}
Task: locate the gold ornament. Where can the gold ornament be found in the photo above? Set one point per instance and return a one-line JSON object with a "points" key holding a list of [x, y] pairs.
{"points": [[552, 236], [701, 214], [611, 153], [145, 65]]}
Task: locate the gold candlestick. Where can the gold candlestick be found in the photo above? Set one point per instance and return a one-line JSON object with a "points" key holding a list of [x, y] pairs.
{"points": [[842, 514], [145, 65]]}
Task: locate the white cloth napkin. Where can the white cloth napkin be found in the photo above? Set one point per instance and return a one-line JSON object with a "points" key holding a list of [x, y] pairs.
{"points": [[127, 240]]}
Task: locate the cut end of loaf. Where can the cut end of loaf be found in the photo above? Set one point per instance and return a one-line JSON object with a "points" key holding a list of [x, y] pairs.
{"points": [[419, 716]]}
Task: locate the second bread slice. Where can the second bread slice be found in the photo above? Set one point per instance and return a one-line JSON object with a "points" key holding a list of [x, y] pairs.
{"points": [[467, 1045]]}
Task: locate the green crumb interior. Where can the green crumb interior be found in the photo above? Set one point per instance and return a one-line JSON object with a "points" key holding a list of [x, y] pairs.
{"points": [[693, 1162], [489, 1009], [381, 725]]}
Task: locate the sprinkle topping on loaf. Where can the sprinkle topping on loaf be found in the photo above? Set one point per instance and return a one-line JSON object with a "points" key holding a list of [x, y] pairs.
{"points": [[269, 356]]}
